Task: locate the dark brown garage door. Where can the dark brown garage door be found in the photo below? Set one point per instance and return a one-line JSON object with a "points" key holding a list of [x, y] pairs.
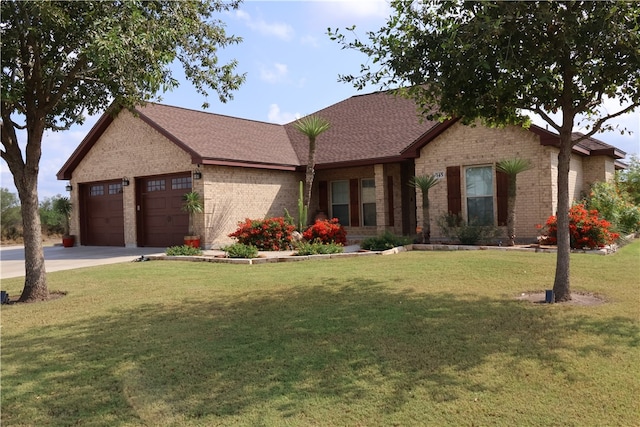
{"points": [[102, 219], [161, 220]]}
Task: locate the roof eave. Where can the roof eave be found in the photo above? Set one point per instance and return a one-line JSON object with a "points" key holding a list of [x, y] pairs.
{"points": [[413, 150], [66, 172], [244, 164], [360, 162]]}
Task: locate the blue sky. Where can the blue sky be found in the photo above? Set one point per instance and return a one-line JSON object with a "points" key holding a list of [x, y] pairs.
{"points": [[292, 70]]}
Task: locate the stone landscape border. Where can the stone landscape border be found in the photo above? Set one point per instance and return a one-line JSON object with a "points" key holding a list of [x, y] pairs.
{"points": [[288, 256]]}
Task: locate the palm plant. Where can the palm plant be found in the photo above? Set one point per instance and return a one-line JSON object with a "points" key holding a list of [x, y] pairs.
{"points": [[192, 205], [311, 126], [424, 183], [63, 207], [512, 167]]}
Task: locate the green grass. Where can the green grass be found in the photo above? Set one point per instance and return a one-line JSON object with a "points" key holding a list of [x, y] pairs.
{"points": [[419, 338]]}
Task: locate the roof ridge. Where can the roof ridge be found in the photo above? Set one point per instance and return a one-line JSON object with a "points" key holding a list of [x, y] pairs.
{"points": [[210, 113]]}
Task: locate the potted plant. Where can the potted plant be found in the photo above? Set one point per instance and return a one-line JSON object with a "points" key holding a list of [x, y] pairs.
{"points": [[63, 206], [192, 205]]}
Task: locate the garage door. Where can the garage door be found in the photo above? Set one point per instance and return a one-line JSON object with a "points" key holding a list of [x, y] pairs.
{"points": [[102, 222], [161, 220]]}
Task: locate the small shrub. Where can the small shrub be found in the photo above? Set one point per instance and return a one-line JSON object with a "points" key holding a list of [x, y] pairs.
{"points": [[586, 229], [326, 231], [240, 250], [384, 241], [316, 248], [455, 228], [183, 250], [269, 234]]}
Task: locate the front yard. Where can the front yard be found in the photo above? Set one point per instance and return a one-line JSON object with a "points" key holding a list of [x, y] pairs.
{"points": [[418, 338]]}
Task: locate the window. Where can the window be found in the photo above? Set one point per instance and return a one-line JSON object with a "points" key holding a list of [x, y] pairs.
{"points": [[368, 197], [479, 193], [340, 201], [115, 188], [181, 183], [96, 190], [156, 185]]}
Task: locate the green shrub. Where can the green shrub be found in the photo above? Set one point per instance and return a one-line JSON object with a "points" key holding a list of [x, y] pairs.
{"points": [[615, 205], [183, 250], [317, 248], [455, 228], [384, 241], [240, 250]]}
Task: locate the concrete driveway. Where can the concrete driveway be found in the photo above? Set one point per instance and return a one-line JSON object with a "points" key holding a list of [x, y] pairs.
{"points": [[59, 258]]}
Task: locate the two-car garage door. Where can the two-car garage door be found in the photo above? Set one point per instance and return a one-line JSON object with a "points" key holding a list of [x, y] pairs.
{"points": [[160, 220]]}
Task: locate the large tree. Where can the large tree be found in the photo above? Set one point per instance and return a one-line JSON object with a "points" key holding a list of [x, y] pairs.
{"points": [[496, 61], [63, 59]]}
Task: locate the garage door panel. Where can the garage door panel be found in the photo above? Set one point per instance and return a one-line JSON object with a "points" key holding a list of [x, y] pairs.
{"points": [[163, 222], [103, 219]]}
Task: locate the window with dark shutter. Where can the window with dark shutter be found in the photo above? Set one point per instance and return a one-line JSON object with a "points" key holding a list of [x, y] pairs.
{"points": [[354, 203], [454, 194], [502, 196], [392, 220], [323, 196]]}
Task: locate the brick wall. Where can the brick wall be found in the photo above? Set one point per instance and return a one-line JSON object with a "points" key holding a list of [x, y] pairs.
{"points": [[477, 146], [129, 147], [232, 194]]}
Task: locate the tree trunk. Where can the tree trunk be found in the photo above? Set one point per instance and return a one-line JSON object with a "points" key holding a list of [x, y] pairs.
{"points": [[309, 175], [35, 284], [511, 211], [561, 284], [25, 177]]}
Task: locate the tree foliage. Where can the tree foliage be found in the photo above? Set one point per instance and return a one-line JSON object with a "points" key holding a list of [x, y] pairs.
{"points": [[495, 61], [629, 179], [62, 59], [10, 214]]}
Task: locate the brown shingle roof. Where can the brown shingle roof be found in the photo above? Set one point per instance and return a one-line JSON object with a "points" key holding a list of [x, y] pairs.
{"points": [[212, 137], [364, 127]]}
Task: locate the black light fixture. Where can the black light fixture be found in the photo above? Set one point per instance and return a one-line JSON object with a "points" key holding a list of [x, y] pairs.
{"points": [[68, 187], [125, 182], [197, 174]]}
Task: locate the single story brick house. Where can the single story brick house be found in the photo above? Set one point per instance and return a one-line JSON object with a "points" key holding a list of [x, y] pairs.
{"points": [[129, 174]]}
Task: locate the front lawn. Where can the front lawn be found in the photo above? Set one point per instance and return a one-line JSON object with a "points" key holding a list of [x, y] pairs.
{"points": [[418, 338]]}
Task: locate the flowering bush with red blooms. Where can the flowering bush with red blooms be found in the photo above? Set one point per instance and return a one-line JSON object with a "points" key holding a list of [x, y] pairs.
{"points": [[269, 234], [586, 229], [326, 231]]}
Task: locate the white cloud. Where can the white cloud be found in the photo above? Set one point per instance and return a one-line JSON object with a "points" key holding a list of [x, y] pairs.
{"points": [[275, 73], [361, 8], [281, 117], [277, 29], [349, 12]]}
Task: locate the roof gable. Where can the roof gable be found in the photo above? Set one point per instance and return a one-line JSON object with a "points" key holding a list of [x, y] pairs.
{"points": [[364, 128]]}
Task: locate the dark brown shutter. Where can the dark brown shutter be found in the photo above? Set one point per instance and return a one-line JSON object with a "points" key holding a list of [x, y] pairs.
{"points": [[454, 195], [502, 195], [354, 203], [323, 197], [392, 221]]}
